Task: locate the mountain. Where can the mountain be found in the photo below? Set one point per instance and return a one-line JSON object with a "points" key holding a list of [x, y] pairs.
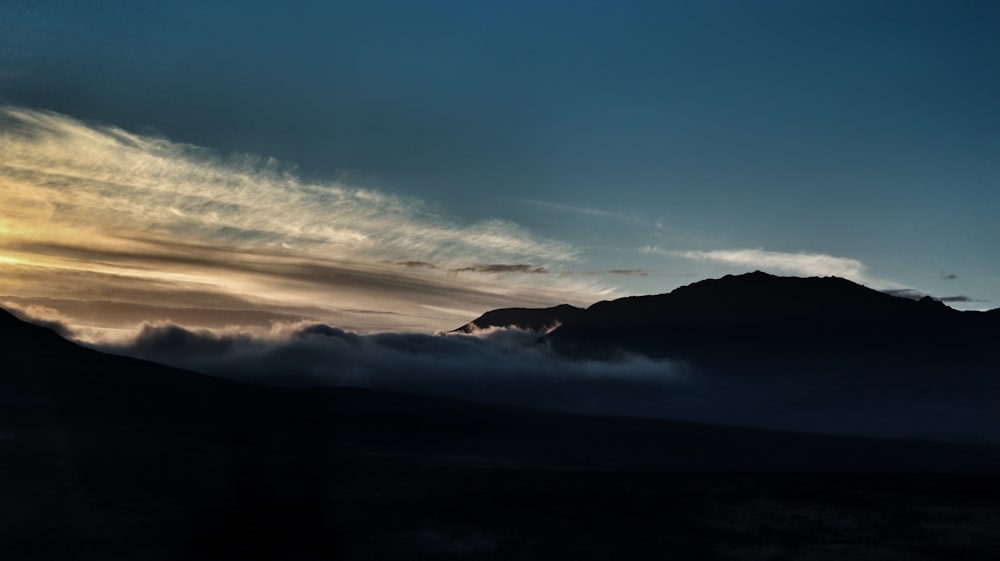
{"points": [[108, 457], [51, 386], [757, 299], [758, 309], [531, 319], [753, 310], [815, 354]]}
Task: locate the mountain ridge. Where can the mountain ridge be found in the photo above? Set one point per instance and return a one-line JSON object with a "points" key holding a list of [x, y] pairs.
{"points": [[821, 354], [749, 297], [109, 457], [82, 398], [530, 319]]}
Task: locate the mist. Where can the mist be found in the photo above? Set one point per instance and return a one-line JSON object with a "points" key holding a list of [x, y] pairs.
{"points": [[876, 395], [498, 366]]}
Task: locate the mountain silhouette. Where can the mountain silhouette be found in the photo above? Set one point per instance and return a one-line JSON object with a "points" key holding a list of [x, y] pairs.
{"points": [[756, 298], [758, 309], [755, 309], [73, 395], [49, 383], [819, 354], [531, 319], [112, 457]]}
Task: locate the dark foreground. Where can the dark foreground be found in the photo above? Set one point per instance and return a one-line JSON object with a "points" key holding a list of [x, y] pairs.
{"points": [[359, 475], [107, 458], [146, 507]]}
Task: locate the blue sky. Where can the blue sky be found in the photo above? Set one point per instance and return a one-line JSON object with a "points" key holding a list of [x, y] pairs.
{"points": [[652, 143]]}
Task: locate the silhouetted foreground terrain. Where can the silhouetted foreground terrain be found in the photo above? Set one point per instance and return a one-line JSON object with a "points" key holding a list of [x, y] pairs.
{"points": [[105, 457]]}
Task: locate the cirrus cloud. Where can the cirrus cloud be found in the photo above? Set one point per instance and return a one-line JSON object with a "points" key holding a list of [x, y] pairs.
{"points": [[798, 263], [95, 213]]}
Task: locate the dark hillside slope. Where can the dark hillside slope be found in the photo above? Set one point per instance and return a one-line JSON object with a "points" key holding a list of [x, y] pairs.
{"points": [[106, 457], [63, 393]]}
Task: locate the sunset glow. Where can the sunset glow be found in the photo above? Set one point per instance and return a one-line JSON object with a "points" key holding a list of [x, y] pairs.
{"points": [[389, 175]]}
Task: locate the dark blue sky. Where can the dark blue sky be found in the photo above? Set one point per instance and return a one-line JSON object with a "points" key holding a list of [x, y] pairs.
{"points": [[649, 135]]}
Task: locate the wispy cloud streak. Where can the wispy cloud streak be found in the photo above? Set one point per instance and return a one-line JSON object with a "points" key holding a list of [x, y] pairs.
{"points": [[800, 263], [143, 213], [92, 175]]}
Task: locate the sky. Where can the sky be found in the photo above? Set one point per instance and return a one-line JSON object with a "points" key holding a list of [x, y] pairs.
{"points": [[405, 166]]}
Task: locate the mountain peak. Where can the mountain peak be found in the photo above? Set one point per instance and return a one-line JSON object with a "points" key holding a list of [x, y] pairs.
{"points": [[531, 319], [754, 297], [757, 298]]}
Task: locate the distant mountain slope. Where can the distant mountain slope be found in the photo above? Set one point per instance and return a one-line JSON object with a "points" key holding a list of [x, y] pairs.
{"points": [[760, 309], [817, 354], [763, 298], [755, 308], [753, 298], [532, 319], [61, 399], [106, 457]]}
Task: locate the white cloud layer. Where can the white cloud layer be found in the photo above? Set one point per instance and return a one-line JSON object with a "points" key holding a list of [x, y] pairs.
{"points": [[802, 263], [503, 366]]}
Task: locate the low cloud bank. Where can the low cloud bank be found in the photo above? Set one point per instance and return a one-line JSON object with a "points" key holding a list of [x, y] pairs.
{"points": [[930, 396], [502, 366], [518, 368]]}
